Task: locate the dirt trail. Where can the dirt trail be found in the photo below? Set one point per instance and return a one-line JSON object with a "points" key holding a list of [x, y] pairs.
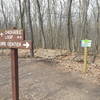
{"points": [[42, 80]]}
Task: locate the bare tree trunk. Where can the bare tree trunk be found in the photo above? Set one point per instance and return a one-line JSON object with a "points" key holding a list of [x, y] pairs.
{"points": [[85, 5], [5, 19], [50, 25], [30, 26], [22, 11], [69, 25], [41, 24], [59, 37], [55, 22], [21, 15], [96, 47], [97, 25]]}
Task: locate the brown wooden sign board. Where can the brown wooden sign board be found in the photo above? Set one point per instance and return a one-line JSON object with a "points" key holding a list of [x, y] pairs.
{"points": [[16, 44], [15, 35], [14, 40]]}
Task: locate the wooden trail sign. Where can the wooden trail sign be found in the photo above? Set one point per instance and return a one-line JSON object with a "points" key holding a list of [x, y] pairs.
{"points": [[85, 44], [12, 35], [14, 40], [16, 44]]}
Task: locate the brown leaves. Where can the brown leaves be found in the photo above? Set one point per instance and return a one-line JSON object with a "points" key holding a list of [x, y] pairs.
{"points": [[74, 63]]}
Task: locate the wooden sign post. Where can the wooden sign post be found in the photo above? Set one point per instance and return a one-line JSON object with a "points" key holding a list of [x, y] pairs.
{"points": [[14, 40], [15, 76], [85, 59], [86, 43]]}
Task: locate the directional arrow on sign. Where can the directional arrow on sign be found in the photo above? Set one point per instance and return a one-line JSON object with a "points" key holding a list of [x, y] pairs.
{"points": [[26, 45]]}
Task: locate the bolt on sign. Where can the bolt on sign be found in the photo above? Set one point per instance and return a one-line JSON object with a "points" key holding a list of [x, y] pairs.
{"points": [[14, 40], [11, 35]]}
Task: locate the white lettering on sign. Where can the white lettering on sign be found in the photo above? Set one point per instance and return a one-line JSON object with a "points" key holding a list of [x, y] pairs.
{"points": [[9, 32], [12, 35], [15, 44], [9, 37], [2, 43], [19, 37]]}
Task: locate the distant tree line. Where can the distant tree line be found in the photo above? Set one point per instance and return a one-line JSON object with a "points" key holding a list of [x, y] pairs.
{"points": [[59, 24]]}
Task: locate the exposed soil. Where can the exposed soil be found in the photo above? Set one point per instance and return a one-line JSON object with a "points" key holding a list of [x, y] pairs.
{"points": [[42, 79]]}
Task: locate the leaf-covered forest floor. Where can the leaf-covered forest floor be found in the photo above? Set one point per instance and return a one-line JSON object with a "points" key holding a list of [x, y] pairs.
{"points": [[73, 63], [68, 62], [51, 75]]}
